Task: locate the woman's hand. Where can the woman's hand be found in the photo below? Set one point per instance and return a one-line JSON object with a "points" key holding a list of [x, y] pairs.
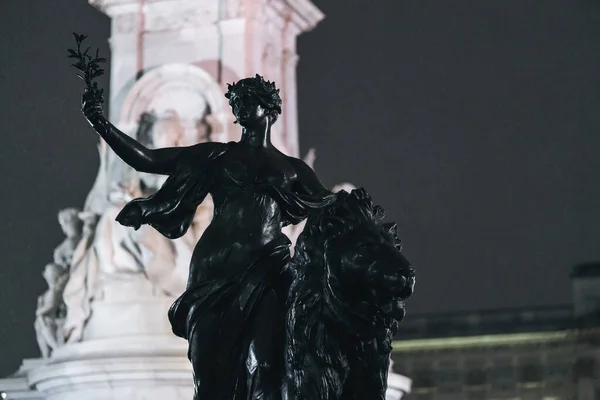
{"points": [[130, 215], [91, 104], [89, 69]]}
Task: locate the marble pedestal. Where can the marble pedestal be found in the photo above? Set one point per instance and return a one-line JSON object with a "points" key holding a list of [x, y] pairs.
{"points": [[136, 368], [128, 351], [16, 386], [129, 309]]}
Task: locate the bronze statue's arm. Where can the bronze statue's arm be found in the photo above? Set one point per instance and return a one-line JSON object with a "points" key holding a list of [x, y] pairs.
{"points": [[307, 180], [154, 161]]}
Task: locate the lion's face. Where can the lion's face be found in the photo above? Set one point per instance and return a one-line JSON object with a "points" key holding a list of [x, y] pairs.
{"points": [[366, 261]]}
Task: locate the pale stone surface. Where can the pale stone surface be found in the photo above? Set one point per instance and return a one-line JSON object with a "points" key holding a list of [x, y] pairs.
{"points": [[127, 367], [16, 386], [398, 385]]}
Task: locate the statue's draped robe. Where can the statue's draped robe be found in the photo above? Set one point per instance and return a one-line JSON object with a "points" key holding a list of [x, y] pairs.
{"points": [[220, 317]]}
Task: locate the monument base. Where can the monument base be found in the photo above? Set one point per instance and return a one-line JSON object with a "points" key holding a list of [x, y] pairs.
{"points": [[128, 309], [16, 386], [112, 379], [149, 368]]}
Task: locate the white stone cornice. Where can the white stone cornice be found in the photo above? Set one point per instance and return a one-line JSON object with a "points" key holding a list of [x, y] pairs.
{"points": [[306, 14], [112, 8], [303, 14]]}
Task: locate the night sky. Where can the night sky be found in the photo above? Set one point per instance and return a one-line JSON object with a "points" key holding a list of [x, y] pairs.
{"points": [[476, 124]]}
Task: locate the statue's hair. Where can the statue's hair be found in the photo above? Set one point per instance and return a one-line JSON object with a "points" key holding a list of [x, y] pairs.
{"points": [[264, 92], [318, 312]]}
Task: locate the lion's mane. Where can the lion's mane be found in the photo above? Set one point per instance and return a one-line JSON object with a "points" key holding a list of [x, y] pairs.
{"points": [[326, 337]]}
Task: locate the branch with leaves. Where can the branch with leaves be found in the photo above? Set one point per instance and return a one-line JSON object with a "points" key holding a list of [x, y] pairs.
{"points": [[88, 66]]}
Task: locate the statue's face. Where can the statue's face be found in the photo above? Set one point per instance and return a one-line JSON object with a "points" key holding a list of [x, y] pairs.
{"points": [[247, 110]]}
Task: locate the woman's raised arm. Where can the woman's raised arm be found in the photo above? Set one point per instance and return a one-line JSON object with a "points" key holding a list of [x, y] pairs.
{"points": [[154, 161]]}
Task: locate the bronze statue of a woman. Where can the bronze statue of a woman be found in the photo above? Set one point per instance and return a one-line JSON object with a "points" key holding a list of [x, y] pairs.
{"points": [[236, 308]]}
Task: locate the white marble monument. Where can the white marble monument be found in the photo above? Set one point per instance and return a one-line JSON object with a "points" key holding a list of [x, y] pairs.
{"points": [[102, 325]]}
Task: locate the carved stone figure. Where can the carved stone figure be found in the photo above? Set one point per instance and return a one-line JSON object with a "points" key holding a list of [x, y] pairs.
{"points": [[168, 261], [114, 251], [50, 312], [77, 294], [144, 128], [72, 227]]}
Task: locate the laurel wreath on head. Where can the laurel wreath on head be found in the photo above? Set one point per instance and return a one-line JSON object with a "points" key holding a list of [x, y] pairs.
{"points": [[88, 66]]}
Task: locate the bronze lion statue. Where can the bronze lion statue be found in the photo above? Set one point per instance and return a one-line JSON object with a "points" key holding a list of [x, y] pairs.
{"points": [[346, 298]]}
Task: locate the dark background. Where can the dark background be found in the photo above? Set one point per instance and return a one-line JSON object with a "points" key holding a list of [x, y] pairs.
{"points": [[475, 123]]}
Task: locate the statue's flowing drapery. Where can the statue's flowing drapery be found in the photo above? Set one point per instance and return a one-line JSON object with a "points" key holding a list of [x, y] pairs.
{"points": [[223, 318]]}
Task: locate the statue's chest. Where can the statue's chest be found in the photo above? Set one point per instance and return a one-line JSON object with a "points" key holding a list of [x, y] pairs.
{"points": [[258, 166]]}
